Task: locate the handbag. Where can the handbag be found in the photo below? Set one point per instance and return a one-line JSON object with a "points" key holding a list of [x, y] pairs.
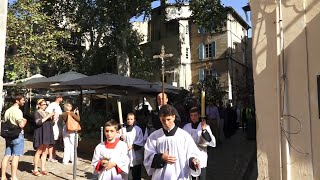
{"points": [[72, 124], [9, 130]]}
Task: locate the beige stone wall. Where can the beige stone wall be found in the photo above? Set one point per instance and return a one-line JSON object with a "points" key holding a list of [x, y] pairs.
{"points": [[301, 24], [227, 60], [221, 64], [221, 40]]}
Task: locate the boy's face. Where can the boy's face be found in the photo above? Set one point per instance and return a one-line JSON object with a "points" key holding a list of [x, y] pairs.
{"points": [[194, 117], [130, 120], [110, 132], [167, 121]]}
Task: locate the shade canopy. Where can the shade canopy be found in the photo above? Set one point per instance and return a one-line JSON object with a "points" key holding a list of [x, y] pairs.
{"points": [[105, 80], [114, 83], [21, 82], [45, 83]]}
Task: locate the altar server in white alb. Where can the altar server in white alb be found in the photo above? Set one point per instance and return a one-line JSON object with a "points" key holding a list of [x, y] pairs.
{"points": [[202, 136], [133, 136], [110, 158], [170, 152]]}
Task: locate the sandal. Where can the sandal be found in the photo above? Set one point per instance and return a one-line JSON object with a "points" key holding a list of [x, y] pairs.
{"points": [[52, 160], [44, 172], [37, 173]]}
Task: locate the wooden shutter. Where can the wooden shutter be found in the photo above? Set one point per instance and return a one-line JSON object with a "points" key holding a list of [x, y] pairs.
{"points": [[201, 74], [201, 51], [213, 49]]}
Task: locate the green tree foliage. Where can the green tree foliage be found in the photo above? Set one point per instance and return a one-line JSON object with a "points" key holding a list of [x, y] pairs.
{"points": [[208, 14], [105, 25], [33, 41], [212, 87]]}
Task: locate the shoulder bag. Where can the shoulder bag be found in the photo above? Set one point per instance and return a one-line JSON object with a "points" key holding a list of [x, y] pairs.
{"points": [[9, 130], [72, 124]]}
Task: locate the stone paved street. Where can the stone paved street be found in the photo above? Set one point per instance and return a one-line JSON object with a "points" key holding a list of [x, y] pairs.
{"points": [[229, 161]]}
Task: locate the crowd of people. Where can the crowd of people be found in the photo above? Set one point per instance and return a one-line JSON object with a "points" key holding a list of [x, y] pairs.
{"points": [[167, 146], [50, 127]]}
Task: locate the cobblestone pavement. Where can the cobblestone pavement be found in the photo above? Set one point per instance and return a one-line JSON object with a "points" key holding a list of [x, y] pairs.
{"points": [[229, 161], [56, 170]]}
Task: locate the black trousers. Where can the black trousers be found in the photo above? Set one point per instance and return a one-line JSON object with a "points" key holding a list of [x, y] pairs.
{"points": [[135, 171], [202, 175]]}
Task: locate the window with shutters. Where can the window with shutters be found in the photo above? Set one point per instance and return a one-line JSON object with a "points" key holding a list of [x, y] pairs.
{"points": [[210, 72], [201, 30], [201, 74], [210, 50]]}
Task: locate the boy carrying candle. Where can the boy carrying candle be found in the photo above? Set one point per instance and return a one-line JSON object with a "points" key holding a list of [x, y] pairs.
{"points": [[202, 136], [110, 158]]}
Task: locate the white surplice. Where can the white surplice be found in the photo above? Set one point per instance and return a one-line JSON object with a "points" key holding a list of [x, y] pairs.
{"points": [[135, 136], [196, 134], [118, 155], [180, 145]]}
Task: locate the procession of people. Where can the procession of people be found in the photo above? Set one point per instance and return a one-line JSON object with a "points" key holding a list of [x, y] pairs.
{"points": [[163, 146]]}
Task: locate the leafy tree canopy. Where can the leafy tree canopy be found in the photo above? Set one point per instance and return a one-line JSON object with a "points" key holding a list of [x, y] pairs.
{"points": [[34, 28], [212, 87], [33, 41]]}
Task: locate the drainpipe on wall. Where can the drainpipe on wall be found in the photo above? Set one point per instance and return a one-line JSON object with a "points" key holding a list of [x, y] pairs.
{"points": [[285, 159], [279, 101]]}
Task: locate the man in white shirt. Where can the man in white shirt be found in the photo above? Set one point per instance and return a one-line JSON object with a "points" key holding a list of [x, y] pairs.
{"points": [[57, 128]]}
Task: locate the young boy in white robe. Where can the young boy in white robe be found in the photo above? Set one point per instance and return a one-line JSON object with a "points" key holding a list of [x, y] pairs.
{"points": [[110, 158], [202, 136], [170, 152], [133, 136]]}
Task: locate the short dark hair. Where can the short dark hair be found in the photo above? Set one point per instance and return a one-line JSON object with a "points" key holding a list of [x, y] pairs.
{"points": [[166, 110], [194, 109], [58, 96], [18, 98], [113, 123], [131, 114]]}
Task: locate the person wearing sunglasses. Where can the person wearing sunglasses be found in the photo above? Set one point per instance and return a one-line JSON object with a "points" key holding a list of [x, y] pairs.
{"points": [[43, 136]]}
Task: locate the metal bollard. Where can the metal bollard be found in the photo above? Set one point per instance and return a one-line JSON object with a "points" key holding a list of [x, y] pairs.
{"points": [[75, 155]]}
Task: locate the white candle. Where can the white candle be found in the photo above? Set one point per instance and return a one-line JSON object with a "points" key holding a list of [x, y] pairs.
{"points": [[120, 112], [203, 104]]}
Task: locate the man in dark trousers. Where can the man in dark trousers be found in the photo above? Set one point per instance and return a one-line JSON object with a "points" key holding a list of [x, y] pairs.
{"points": [[155, 123]]}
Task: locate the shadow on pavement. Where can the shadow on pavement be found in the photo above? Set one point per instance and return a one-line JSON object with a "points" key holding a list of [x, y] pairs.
{"points": [[60, 177], [25, 166], [30, 153], [8, 176], [87, 175]]}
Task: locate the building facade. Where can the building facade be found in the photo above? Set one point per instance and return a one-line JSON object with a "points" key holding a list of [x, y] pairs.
{"points": [[198, 53], [286, 69]]}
